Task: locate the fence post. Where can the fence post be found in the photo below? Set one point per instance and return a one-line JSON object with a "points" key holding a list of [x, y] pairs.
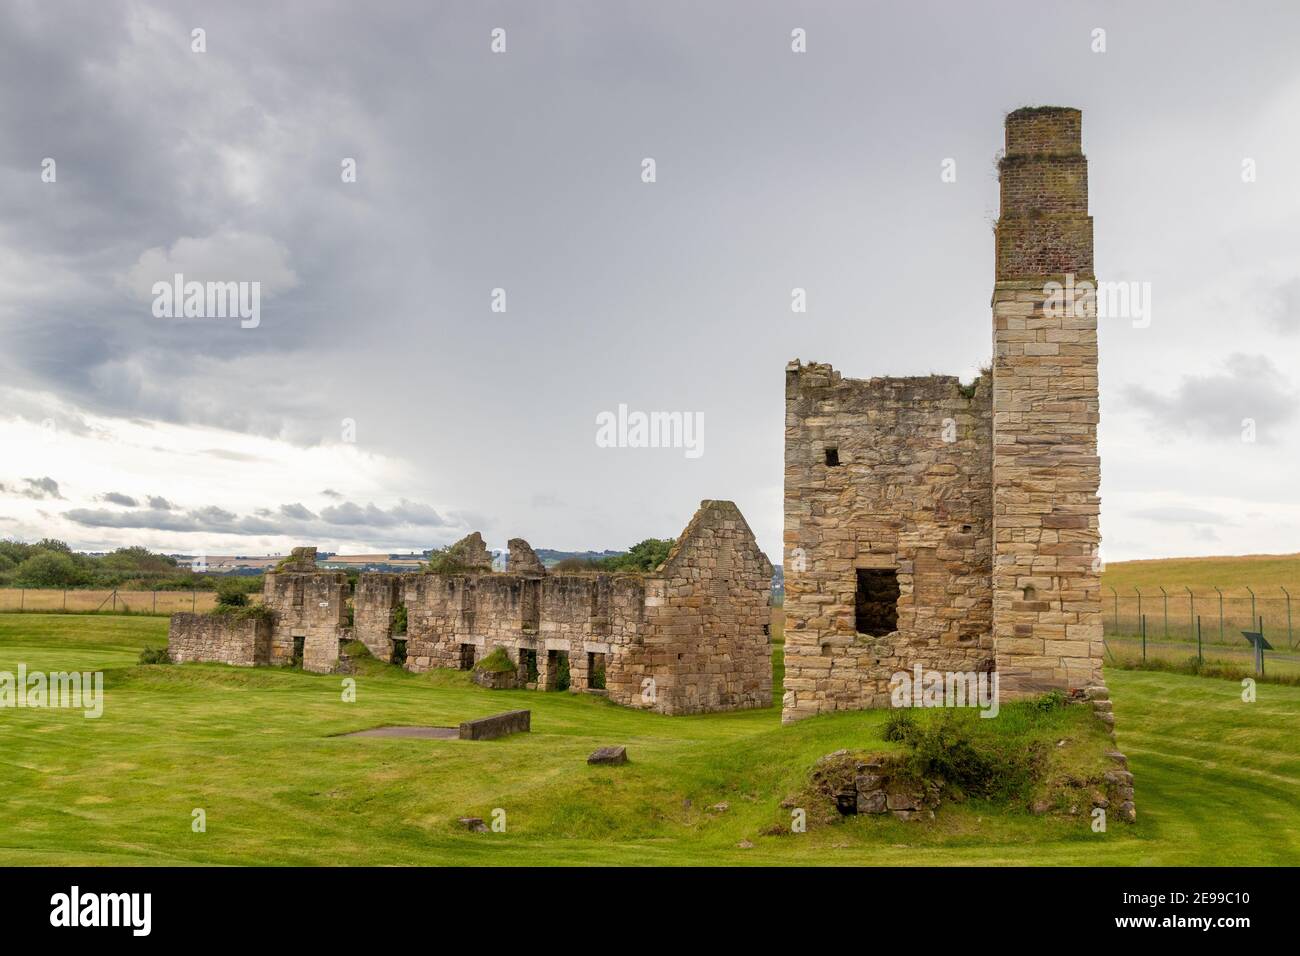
{"points": [[155, 602], [114, 600], [65, 599], [1166, 596], [1288, 618], [1144, 638], [1139, 593], [1259, 650], [1252, 603], [22, 599], [1199, 659], [194, 601], [1216, 587]]}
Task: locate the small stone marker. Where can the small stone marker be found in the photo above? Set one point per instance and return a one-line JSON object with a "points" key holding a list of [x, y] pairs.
{"points": [[473, 824], [609, 755]]}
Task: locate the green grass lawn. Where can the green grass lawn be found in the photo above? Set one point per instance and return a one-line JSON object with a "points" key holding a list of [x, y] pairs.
{"points": [[1217, 779]]}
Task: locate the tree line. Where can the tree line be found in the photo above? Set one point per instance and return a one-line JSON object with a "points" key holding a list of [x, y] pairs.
{"points": [[50, 563]]}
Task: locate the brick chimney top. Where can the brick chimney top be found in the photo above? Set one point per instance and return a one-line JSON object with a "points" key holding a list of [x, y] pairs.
{"points": [[1044, 129]]}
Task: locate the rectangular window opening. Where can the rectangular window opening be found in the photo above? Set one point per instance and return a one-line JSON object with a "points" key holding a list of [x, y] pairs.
{"points": [[832, 457], [595, 670], [876, 605], [557, 670], [528, 665]]}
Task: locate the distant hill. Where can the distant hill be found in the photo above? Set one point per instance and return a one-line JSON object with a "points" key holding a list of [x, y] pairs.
{"points": [[1232, 574], [550, 557]]}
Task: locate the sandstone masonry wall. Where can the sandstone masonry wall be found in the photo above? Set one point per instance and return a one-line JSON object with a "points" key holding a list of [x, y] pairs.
{"points": [[690, 637], [1046, 470], [311, 605], [377, 595], [218, 639], [909, 492], [980, 507], [707, 644]]}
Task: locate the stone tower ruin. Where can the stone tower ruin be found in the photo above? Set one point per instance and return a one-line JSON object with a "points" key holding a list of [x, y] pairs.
{"points": [[956, 527]]}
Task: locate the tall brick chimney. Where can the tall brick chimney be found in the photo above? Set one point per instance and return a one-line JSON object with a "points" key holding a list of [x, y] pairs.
{"points": [[1047, 629]]}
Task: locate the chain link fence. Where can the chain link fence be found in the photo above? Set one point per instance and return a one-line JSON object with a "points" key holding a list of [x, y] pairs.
{"points": [[1172, 615]]}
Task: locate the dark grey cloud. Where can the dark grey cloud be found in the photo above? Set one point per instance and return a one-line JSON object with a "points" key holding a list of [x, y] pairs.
{"points": [[406, 512], [117, 498], [348, 520], [159, 503], [36, 488], [1250, 388]]}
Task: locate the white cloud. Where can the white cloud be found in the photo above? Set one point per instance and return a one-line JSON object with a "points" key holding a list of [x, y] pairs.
{"points": [[221, 257]]}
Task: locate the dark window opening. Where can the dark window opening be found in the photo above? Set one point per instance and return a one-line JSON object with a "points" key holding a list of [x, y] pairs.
{"points": [[298, 643], [398, 656], [528, 665], [965, 528], [832, 457], [467, 657], [876, 607], [557, 668], [595, 670], [767, 630]]}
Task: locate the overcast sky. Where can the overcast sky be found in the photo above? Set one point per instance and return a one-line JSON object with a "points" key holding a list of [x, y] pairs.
{"points": [[381, 403]]}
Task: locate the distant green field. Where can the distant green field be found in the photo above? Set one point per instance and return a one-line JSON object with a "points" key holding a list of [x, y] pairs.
{"points": [[1217, 779], [1264, 573]]}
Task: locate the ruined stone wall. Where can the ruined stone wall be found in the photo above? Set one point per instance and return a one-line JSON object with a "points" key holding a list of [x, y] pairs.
{"points": [[377, 595], [311, 605], [584, 614], [575, 614], [890, 474], [707, 645], [692, 637], [1046, 471], [219, 639], [439, 618]]}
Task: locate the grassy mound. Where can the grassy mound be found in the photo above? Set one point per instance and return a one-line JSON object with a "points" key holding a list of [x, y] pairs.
{"points": [[498, 662]]}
